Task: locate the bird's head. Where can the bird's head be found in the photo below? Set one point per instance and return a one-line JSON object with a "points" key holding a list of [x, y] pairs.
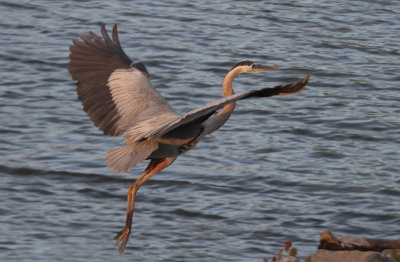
{"points": [[245, 67]]}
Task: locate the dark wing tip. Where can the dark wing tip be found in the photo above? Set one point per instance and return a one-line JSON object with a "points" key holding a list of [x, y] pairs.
{"points": [[100, 49], [288, 89], [92, 60], [115, 35], [293, 88], [105, 34]]}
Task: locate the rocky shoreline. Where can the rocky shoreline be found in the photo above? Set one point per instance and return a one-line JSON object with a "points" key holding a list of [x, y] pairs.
{"points": [[388, 255], [345, 249]]}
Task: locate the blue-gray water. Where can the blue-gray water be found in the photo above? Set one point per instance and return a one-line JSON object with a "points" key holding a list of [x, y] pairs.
{"points": [[281, 168]]}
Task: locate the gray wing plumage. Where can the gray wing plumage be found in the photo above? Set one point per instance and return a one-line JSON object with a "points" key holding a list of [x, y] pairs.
{"points": [[115, 93], [204, 112]]}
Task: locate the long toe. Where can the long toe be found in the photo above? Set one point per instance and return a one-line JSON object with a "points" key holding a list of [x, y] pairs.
{"points": [[122, 239]]}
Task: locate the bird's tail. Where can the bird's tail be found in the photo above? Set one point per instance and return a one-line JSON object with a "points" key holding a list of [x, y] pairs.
{"points": [[123, 158]]}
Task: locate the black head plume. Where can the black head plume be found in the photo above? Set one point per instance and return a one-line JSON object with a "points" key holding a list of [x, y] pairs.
{"points": [[242, 63]]}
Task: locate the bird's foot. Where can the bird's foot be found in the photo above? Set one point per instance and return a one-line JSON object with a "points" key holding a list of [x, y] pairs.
{"points": [[122, 239]]}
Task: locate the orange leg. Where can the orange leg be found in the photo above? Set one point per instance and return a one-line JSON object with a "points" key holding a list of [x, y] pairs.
{"points": [[155, 166]]}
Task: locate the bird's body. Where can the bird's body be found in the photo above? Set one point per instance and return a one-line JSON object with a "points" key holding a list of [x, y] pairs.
{"points": [[120, 100]]}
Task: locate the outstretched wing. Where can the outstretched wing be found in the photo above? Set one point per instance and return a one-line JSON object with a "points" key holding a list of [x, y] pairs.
{"points": [[204, 112], [115, 93]]}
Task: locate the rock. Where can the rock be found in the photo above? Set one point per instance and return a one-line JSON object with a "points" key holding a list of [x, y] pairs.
{"points": [[348, 256], [393, 253], [330, 242]]}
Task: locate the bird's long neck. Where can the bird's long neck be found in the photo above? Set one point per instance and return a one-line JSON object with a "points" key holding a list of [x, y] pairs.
{"points": [[228, 90], [214, 123]]}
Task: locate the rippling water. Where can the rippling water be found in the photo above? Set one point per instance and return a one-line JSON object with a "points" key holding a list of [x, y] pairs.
{"points": [[281, 168]]}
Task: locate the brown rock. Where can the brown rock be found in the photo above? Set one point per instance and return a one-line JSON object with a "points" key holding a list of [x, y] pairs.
{"points": [[348, 256]]}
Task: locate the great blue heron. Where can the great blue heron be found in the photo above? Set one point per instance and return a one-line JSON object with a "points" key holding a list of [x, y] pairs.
{"points": [[119, 98]]}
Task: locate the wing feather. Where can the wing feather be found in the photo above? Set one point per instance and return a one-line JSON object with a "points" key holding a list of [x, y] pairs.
{"points": [[207, 110], [114, 93], [139, 105]]}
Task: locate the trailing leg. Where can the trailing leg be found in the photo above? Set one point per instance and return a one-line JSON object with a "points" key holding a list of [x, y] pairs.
{"points": [[155, 166]]}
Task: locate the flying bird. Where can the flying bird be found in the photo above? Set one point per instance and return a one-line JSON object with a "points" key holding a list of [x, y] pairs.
{"points": [[119, 99]]}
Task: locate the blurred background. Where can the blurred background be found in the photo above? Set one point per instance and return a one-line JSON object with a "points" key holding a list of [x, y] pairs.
{"points": [[281, 168]]}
